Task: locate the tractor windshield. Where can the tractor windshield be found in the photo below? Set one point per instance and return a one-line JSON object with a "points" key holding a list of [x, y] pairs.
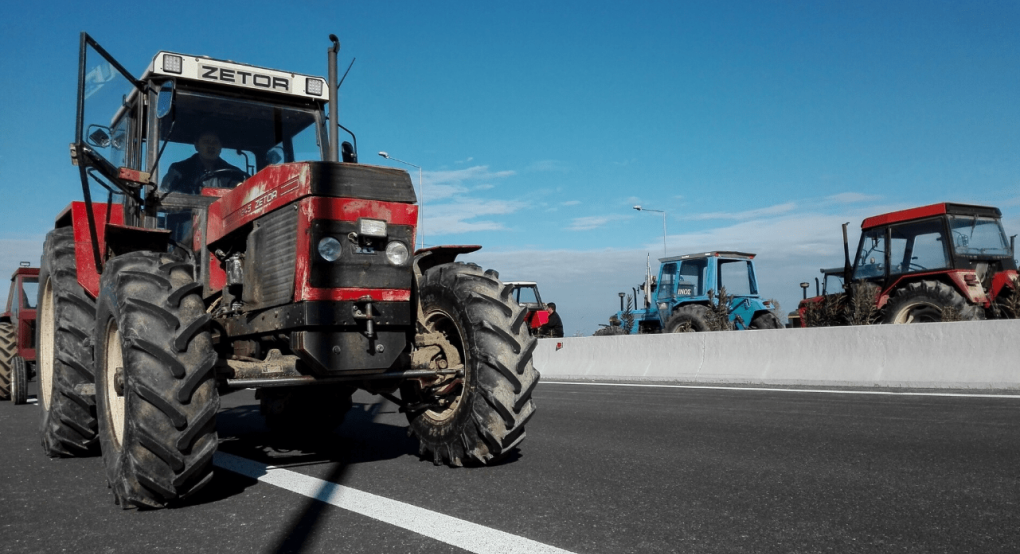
{"points": [[870, 261], [973, 235], [29, 292], [527, 295], [214, 141]]}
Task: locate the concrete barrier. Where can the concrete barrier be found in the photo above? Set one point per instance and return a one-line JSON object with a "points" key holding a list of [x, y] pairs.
{"points": [[961, 355]]}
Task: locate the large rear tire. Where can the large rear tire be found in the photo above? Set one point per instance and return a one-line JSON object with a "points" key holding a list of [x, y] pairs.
{"points": [[7, 347], [155, 389], [480, 417], [688, 319], [926, 302], [19, 380], [65, 319]]}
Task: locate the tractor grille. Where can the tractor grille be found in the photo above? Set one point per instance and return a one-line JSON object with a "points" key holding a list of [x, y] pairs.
{"points": [[270, 259]]}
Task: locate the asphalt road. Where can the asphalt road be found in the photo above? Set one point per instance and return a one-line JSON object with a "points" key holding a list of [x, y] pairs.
{"points": [[602, 470]]}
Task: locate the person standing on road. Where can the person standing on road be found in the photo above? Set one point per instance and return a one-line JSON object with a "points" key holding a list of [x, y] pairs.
{"points": [[554, 328]]}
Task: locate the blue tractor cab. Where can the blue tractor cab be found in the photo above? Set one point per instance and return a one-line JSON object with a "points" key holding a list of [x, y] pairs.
{"points": [[679, 300]]}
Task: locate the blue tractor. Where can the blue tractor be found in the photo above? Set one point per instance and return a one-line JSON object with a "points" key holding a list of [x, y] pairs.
{"points": [[688, 286]]}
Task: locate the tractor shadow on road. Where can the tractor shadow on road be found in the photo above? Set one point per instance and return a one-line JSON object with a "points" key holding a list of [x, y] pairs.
{"points": [[361, 438]]}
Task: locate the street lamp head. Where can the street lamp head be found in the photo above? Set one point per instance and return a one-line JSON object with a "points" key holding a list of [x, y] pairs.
{"points": [[638, 208], [384, 154]]}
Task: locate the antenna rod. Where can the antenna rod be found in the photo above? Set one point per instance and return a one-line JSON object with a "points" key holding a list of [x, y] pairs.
{"points": [[334, 131]]}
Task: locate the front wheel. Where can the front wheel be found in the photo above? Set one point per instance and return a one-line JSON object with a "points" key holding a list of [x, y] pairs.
{"points": [[688, 319], [766, 320], [928, 302], [7, 343], [19, 380], [64, 322], [155, 390], [478, 415]]}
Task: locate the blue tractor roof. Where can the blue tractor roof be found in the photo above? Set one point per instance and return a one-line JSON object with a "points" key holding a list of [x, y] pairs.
{"points": [[717, 254]]}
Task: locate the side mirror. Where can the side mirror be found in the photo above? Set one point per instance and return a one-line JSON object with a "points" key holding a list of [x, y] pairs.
{"points": [[165, 99], [348, 153], [99, 136]]}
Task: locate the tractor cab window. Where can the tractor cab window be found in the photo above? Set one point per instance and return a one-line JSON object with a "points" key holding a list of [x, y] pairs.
{"points": [[219, 142], [917, 246], [735, 276], [667, 280], [833, 283], [29, 292], [526, 295], [692, 276], [978, 235], [871, 255]]}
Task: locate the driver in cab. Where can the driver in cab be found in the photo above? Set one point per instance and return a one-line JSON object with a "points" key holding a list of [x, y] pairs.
{"points": [[204, 169]]}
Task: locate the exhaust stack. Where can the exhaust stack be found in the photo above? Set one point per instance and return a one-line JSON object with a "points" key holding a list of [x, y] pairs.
{"points": [[334, 100]]}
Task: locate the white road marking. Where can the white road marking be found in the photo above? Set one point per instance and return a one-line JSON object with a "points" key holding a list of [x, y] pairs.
{"points": [[824, 391], [447, 529]]}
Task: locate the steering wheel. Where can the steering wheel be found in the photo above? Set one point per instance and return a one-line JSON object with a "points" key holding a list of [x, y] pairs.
{"points": [[229, 173]]}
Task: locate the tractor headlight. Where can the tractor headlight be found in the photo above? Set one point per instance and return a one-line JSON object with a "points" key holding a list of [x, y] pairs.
{"points": [[372, 228], [396, 253], [330, 249]]}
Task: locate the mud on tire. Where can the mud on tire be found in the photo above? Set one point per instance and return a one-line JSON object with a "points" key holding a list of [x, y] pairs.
{"points": [[65, 319], [483, 418], [155, 387], [7, 347], [688, 319], [924, 302]]}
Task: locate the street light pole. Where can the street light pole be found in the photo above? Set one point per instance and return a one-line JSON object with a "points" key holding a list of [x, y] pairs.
{"points": [[421, 196], [640, 209]]}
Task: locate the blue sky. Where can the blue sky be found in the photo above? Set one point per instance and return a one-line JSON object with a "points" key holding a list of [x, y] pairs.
{"points": [[757, 126]]}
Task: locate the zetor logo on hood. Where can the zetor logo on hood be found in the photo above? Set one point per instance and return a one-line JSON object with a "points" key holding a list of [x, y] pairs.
{"points": [[244, 78]]}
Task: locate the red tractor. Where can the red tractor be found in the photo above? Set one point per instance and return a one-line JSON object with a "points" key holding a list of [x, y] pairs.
{"points": [[290, 272], [17, 335], [526, 294], [940, 262]]}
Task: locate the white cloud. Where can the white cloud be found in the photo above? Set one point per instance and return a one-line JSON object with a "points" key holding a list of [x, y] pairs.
{"points": [[852, 198], [458, 176], [461, 216], [593, 222], [745, 215], [570, 203]]}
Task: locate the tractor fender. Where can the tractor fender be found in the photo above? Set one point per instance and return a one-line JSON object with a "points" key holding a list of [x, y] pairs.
{"points": [[1003, 280], [970, 289], [76, 214], [428, 258]]}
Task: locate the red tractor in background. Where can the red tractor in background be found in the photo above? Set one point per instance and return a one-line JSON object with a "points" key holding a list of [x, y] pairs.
{"points": [[526, 294], [17, 335], [290, 272], [929, 261]]}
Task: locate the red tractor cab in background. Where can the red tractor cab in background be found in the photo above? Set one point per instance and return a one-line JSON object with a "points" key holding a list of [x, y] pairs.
{"points": [[526, 294], [17, 334], [932, 259]]}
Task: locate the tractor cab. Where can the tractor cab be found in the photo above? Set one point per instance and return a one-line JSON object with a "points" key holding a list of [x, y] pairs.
{"points": [[936, 238], [526, 294], [188, 130]]}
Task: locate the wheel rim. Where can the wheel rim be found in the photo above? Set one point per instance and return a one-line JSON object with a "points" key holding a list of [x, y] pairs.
{"points": [[441, 322], [919, 313], [113, 360], [46, 337]]}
